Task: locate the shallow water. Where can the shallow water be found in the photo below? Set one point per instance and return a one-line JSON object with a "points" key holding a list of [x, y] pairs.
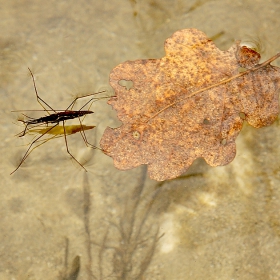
{"points": [[211, 223]]}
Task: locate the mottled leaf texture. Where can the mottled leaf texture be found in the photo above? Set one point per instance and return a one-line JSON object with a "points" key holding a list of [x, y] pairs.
{"points": [[189, 104]]}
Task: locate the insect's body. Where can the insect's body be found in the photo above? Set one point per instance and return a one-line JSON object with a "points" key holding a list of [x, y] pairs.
{"points": [[55, 118], [58, 117]]}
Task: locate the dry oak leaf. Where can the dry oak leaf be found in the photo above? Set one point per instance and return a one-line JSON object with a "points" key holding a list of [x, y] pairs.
{"points": [[189, 104]]}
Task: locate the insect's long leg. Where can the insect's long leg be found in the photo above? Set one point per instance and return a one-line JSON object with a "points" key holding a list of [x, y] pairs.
{"points": [[74, 101], [24, 131], [93, 100], [83, 134], [42, 141], [26, 128], [39, 99], [66, 144], [27, 153], [82, 131]]}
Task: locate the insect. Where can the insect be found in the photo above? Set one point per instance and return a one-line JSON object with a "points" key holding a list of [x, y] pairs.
{"points": [[54, 118]]}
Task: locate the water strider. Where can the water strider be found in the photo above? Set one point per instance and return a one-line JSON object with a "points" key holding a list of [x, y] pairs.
{"points": [[55, 117]]}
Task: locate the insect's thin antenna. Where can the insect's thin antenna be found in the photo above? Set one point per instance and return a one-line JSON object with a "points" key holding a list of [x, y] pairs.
{"points": [[66, 144], [37, 95], [27, 153]]}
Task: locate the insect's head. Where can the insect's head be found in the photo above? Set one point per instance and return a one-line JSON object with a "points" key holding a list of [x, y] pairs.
{"points": [[82, 113]]}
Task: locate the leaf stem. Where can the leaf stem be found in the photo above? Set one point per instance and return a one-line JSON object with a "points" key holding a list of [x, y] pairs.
{"points": [[258, 66]]}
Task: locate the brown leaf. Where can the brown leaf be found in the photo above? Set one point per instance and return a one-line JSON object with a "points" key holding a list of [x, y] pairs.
{"points": [[189, 104]]}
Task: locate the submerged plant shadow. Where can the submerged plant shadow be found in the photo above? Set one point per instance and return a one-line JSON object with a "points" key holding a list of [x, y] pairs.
{"points": [[128, 245]]}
